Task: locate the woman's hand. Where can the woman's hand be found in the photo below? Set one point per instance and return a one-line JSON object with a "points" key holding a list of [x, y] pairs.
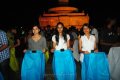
{"points": [[86, 52], [71, 49], [44, 50], [24, 50], [52, 50], [96, 50]]}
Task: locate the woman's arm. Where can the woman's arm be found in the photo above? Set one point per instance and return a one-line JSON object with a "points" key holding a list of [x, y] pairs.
{"points": [[68, 43], [53, 47], [53, 44], [44, 45], [27, 44], [80, 45], [95, 46]]}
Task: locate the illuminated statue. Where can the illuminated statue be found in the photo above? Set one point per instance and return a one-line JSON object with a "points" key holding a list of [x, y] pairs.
{"points": [[63, 1]]}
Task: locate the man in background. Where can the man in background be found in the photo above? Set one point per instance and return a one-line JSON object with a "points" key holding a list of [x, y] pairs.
{"points": [[4, 55]]}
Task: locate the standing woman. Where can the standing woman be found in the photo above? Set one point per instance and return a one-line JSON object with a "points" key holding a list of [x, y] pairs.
{"points": [[94, 63], [87, 42], [64, 67], [33, 65]]}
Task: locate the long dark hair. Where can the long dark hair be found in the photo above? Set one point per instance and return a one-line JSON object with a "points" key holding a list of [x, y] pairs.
{"points": [[64, 33]]}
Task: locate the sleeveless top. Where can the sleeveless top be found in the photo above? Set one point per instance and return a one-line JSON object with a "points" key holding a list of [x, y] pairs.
{"points": [[88, 44]]}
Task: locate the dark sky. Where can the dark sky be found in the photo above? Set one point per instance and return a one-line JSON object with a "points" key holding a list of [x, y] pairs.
{"points": [[25, 13]]}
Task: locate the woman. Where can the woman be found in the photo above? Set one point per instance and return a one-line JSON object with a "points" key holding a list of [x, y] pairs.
{"points": [[33, 65], [94, 63], [14, 42], [88, 39], [64, 66]]}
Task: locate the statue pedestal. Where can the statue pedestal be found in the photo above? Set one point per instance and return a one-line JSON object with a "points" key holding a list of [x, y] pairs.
{"points": [[69, 16]]}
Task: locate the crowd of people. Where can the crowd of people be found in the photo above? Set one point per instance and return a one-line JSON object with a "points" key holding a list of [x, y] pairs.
{"points": [[26, 53]]}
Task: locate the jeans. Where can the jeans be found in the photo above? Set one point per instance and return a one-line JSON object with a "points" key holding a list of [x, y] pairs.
{"points": [[4, 68]]}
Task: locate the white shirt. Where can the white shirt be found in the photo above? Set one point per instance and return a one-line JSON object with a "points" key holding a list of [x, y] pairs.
{"points": [[62, 43], [88, 44]]}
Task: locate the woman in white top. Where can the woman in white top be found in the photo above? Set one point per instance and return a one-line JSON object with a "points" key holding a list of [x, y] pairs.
{"points": [[87, 42], [64, 66], [94, 63]]}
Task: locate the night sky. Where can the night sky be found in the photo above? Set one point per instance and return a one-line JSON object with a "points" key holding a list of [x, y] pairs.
{"points": [[26, 13]]}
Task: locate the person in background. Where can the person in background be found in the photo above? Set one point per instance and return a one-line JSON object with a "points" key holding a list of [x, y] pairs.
{"points": [[13, 44], [16, 42], [4, 55], [94, 31], [74, 43], [28, 35], [108, 37], [118, 36]]}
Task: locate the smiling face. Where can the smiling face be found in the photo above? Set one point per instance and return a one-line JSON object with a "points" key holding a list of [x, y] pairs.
{"points": [[35, 30], [86, 29], [60, 28]]}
